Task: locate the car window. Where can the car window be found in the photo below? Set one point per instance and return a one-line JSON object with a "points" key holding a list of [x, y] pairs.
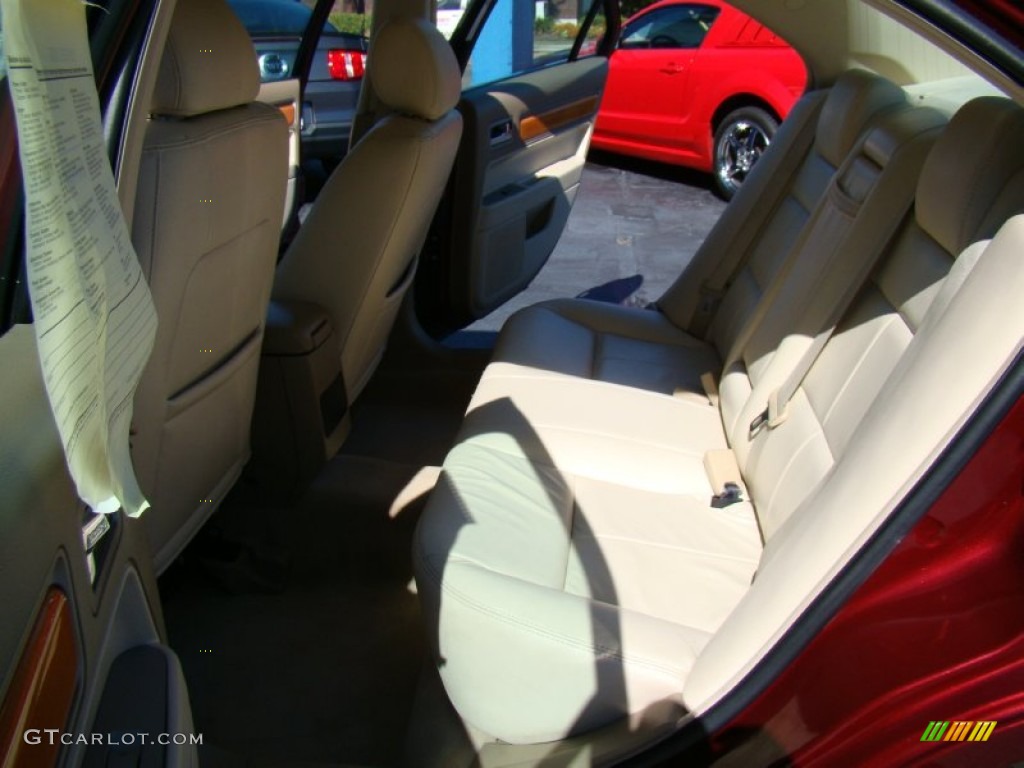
{"points": [[519, 37], [678, 26], [594, 33], [274, 18], [449, 14], [276, 26]]}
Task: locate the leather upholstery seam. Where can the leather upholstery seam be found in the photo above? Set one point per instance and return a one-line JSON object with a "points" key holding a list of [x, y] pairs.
{"points": [[592, 649], [675, 548]]}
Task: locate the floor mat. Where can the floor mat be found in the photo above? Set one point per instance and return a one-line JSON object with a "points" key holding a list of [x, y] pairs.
{"points": [[316, 656], [296, 625], [411, 419]]}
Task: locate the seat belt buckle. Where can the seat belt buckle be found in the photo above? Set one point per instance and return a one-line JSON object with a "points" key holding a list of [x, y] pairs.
{"points": [[758, 424], [710, 298], [731, 493], [772, 416], [724, 477], [710, 386]]}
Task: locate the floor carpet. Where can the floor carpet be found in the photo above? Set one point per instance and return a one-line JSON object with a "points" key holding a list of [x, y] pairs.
{"points": [[296, 625]]}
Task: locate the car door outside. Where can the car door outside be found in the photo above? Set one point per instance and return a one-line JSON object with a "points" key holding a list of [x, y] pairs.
{"points": [[648, 97]]}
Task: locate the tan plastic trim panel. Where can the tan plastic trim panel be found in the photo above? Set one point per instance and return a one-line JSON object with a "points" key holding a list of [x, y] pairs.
{"points": [[535, 126], [284, 96], [43, 687]]}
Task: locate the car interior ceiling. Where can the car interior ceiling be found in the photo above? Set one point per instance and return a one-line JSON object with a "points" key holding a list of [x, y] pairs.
{"points": [[322, 597]]}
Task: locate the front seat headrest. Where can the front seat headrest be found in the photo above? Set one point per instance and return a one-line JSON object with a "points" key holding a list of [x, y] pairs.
{"points": [[209, 62], [413, 69]]}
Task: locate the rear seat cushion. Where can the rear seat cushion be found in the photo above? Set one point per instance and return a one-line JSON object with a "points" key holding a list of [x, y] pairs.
{"points": [[606, 342], [598, 430], [557, 603]]}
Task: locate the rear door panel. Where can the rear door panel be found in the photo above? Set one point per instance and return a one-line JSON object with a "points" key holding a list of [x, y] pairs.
{"points": [[69, 612], [532, 85], [284, 95], [518, 170], [52, 605]]}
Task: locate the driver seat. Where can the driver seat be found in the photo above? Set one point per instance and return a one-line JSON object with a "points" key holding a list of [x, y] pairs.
{"points": [[356, 253]]}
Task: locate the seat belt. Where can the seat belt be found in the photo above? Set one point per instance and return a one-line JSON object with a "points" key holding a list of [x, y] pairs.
{"points": [[709, 387], [713, 288], [777, 411], [724, 477]]}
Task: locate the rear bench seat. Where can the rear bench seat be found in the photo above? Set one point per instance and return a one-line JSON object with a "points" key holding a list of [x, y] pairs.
{"points": [[758, 230], [572, 567], [864, 203]]}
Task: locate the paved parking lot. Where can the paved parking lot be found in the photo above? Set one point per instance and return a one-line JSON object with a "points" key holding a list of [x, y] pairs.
{"points": [[634, 226]]}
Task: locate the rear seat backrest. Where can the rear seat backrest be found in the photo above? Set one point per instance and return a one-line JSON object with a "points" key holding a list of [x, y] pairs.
{"points": [[864, 205], [968, 196], [969, 340], [763, 222], [972, 181]]}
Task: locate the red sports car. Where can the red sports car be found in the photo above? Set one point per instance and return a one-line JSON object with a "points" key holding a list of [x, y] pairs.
{"points": [[698, 84]]}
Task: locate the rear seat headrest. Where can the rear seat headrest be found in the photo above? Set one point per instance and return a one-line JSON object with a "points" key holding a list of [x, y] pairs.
{"points": [[413, 69], [208, 64], [964, 193], [855, 98]]}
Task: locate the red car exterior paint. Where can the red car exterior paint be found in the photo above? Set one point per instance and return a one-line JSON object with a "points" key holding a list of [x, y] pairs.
{"points": [[935, 633], [663, 103], [1004, 16]]}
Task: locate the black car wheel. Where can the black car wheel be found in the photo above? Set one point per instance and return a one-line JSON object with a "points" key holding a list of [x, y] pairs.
{"points": [[740, 140]]}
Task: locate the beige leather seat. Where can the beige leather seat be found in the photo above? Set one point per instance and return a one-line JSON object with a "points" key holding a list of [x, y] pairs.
{"points": [[206, 229], [751, 241], [357, 251], [572, 568]]}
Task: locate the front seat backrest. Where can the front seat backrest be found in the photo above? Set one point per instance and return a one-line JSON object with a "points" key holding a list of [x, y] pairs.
{"points": [[206, 229], [356, 253]]}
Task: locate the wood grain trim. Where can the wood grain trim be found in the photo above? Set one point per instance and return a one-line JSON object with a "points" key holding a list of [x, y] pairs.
{"points": [[532, 126], [288, 110], [42, 688]]}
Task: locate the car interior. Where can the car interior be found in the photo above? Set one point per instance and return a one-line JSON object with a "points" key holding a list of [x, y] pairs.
{"points": [[193, 405], [378, 539]]}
